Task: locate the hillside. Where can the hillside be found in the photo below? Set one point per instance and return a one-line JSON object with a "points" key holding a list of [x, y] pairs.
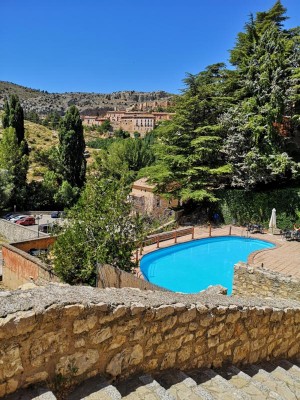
{"points": [[88, 103]]}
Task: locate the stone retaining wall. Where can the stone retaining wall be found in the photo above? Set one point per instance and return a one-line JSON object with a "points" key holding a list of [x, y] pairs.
{"points": [[20, 268], [117, 332], [15, 233], [252, 281]]}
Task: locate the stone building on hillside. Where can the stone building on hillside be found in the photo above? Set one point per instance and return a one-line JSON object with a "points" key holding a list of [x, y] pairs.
{"points": [[141, 123], [146, 200], [92, 120], [130, 121]]}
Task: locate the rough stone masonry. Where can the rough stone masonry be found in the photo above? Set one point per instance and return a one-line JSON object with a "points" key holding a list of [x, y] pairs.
{"points": [[60, 329]]}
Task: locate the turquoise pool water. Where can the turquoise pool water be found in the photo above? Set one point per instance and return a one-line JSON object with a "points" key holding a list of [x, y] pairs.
{"points": [[193, 266]]}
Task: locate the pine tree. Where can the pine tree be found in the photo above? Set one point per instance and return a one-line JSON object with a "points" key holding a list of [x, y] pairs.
{"points": [[71, 148], [190, 163], [254, 146]]}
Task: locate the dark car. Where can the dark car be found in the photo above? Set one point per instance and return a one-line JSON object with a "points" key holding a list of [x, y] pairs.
{"points": [[55, 214], [8, 216]]}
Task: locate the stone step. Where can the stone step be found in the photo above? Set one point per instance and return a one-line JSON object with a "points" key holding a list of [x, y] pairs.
{"points": [[143, 387], [181, 386], [292, 369], [275, 386], [96, 388], [218, 386], [243, 382], [279, 373], [31, 394]]}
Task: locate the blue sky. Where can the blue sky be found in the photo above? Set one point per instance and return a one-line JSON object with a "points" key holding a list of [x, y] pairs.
{"points": [[111, 45]]}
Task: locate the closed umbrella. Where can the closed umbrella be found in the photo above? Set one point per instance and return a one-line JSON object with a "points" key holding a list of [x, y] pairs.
{"points": [[272, 223]]}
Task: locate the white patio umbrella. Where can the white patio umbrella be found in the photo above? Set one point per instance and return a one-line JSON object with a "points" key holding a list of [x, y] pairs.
{"points": [[272, 223]]}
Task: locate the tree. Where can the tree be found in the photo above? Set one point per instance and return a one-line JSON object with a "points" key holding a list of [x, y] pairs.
{"points": [[6, 188], [124, 156], [254, 146], [14, 117], [101, 230], [190, 163], [71, 148], [14, 160], [105, 127]]}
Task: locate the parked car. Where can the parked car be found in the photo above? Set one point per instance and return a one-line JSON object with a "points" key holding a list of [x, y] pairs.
{"points": [[57, 214], [37, 252], [17, 218], [8, 216], [26, 221]]}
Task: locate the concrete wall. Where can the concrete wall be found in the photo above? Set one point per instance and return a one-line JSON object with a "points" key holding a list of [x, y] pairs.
{"points": [[15, 233], [250, 281], [109, 276], [118, 332], [19, 267]]}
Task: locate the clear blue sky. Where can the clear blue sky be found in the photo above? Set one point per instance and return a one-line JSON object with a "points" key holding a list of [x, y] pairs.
{"points": [[111, 45]]}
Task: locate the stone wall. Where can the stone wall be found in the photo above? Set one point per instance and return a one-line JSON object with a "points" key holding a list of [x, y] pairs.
{"points": [[20, 268], [109, 276], [117, 332], [16, 233], [251, 281]]}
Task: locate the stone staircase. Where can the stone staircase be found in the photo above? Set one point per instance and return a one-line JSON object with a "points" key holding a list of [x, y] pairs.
{"points": [[278, 380]]}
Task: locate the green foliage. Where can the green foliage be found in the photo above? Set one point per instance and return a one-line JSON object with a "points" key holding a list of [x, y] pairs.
{"points": [[100, 143], [190, 164], [33, 116], [52, 120], [15, 162], [121, 134], [71, 148], [101, 230], [14, 117], [6, 188], [105, 127], [243, 206], [124, 156], [266, 58]]}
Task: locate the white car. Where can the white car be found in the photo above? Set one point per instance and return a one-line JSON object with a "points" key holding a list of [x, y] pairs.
{"points": [[17, 218]]}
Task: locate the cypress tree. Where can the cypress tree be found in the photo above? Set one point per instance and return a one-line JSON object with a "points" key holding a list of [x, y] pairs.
{"points": [[71, 148]]}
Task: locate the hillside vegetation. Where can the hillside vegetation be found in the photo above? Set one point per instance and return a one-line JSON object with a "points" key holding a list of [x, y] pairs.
{"points": [[44, 103]]}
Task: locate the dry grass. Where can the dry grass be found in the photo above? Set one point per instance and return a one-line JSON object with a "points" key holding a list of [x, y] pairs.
{"points": [[40, 138]]}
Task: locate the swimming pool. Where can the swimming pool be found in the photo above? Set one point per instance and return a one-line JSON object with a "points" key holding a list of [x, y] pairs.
{"points": [[193, 266]]}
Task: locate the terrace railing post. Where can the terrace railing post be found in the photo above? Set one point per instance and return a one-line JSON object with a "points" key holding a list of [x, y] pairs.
{"points": [[230, 231], [157, 242], [175, 237], [193, 232], [141, 249], [209, 230]]}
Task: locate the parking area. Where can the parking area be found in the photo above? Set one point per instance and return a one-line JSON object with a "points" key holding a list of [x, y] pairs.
{"points": [[42, 221]]}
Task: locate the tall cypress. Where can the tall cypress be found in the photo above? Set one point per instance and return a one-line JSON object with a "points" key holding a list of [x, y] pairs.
{"points": [[14, 117], [71, 148]]}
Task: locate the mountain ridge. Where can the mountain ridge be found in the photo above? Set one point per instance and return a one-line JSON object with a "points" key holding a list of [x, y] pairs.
{"points": [[44, 102]]}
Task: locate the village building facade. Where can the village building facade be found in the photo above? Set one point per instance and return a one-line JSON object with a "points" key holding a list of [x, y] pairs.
{"points": [[130, 121]]}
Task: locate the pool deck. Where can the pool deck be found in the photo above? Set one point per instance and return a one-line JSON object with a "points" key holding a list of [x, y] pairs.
{"points": [[285, 258]]}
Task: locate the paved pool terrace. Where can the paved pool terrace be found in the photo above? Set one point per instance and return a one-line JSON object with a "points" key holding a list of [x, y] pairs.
{"points": [[285, 258]]}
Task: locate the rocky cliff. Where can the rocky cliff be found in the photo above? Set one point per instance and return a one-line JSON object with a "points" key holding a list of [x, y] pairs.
{"points": [[88, 103]]}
